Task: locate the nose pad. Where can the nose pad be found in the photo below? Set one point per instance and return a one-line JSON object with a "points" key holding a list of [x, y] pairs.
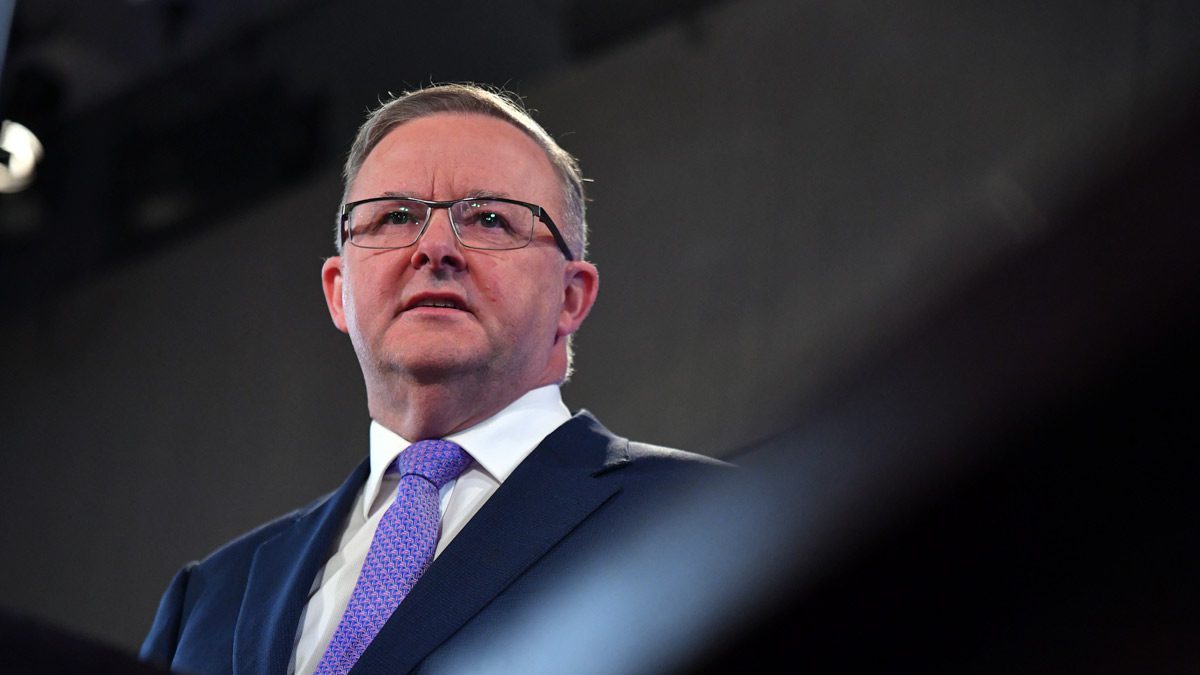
{"points": [[438, 245]]}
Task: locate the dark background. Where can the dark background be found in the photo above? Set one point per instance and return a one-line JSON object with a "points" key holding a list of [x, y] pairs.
{"points": [[786, 195]]}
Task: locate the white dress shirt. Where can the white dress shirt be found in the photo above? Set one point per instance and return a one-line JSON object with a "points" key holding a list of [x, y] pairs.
{"points": [[496, 445]]}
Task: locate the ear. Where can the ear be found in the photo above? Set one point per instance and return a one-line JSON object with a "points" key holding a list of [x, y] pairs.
{"points": [[581, 283], [332, 282]]}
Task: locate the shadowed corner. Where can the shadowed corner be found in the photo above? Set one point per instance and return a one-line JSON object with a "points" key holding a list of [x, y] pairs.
{"points": [[32, 647]]}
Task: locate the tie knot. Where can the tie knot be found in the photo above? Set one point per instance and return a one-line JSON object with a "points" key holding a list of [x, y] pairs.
{"points": [[437, 461]]}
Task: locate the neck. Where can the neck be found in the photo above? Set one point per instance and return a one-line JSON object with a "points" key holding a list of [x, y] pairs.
{"points": [[435, 410]]}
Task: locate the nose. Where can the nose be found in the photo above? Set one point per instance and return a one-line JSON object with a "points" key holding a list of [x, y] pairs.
{"points": [[438, 247]]}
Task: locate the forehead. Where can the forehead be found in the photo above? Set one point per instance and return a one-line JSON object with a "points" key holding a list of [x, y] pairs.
{"points": [[451, 155]]}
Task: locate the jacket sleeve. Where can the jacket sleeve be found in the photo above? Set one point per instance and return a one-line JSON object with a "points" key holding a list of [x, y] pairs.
{"points": [[163, 638]]}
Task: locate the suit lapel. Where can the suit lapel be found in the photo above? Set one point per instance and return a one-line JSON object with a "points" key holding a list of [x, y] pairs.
{"points": [[548, 495], [280, 578]]}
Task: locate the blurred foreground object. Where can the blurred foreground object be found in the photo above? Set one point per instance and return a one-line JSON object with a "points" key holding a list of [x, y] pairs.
{"points": [[31, 647]]}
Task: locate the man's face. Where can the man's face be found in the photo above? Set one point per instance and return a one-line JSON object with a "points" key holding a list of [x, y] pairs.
{"points": [[437, 312]]}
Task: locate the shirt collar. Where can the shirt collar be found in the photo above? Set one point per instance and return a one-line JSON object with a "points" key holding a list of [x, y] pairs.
{"points": [[497, 444]]}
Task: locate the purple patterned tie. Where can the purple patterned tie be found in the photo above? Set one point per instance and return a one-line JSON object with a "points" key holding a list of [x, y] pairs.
{"points": [[400, 552]]}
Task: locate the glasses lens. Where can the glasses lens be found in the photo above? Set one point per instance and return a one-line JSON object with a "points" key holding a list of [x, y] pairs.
{"points": [[485, 223], [387, 223]]}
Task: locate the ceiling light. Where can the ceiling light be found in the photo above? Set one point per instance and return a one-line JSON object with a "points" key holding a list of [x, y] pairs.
{"points": [[20, 151]]}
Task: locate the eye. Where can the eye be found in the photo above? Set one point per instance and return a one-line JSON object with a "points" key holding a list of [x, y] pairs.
{"points": [[400, 216], [491, 220], [484, 216]]}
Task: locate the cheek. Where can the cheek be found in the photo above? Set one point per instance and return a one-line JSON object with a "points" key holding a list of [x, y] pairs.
{"points": [[521, 300], [366, 294], [543, 310], [491, 292], [493, 289]]}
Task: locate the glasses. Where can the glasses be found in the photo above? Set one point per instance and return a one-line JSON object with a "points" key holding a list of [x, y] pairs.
{"points": [[487, 223]]}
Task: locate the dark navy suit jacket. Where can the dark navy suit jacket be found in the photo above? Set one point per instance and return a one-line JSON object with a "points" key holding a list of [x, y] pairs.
{"points": [[239, 609]]}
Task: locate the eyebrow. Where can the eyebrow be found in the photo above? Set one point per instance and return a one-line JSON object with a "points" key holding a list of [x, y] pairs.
{"points": [[470, 194]]}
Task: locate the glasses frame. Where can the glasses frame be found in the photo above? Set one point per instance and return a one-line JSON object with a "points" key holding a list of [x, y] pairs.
{"points": [[538, 212]]}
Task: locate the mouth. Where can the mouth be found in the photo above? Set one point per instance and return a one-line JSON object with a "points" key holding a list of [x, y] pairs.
{"points": [[436, 302]]}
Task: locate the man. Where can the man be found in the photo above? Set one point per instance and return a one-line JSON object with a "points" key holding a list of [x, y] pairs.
{"points": [[460, 280]]}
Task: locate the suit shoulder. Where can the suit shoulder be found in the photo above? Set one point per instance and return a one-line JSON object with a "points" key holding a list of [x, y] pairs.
{"points": [[656, 464], [649, 452], [623, 456]]}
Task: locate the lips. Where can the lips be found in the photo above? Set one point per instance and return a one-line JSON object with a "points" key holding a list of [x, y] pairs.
{"points": [[436, 301]]}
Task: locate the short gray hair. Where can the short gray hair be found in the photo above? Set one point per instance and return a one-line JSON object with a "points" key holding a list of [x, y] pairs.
{"points": [[475, 99]]}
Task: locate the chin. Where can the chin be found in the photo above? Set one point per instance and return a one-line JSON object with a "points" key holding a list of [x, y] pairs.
{"points": [[431, 366]]}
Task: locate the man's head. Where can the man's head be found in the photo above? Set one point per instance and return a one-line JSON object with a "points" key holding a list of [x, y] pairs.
{"points": [[465, 98], [446, 334]]}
